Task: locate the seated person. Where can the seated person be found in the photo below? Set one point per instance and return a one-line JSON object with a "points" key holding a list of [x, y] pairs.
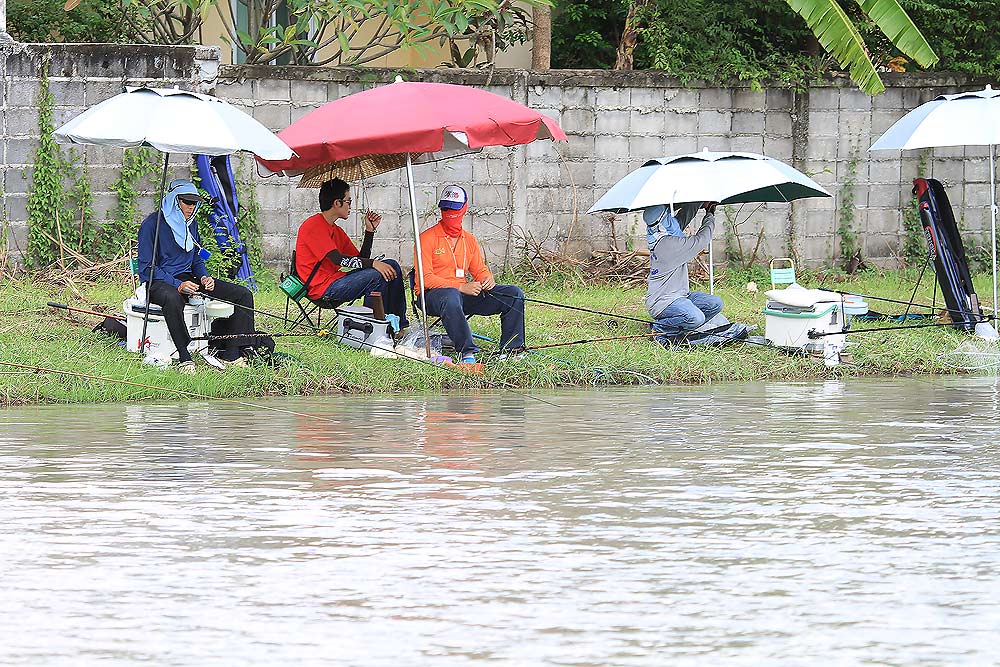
{"points": [[458, 282], [180, 272], [676, 311], [333, 268]]}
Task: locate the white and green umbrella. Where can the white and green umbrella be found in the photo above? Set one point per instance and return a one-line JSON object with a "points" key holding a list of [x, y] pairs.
{"points": [[723, 177]]}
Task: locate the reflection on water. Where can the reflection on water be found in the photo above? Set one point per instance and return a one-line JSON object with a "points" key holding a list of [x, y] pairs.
{"points": [[754, 524]]}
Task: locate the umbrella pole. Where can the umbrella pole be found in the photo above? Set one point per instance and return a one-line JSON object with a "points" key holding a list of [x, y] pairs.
{"points": [[711, 269], [420, 261], [152, 259], [993, 228]]}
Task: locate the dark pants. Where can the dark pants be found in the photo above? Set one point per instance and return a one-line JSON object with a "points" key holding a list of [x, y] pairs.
{"points": [[365, 281], [452, 306], [172, 302]]}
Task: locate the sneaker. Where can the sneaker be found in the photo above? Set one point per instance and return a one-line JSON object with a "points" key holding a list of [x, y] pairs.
{"points": [[186, 368], [468, 359], [238, 362], [514, 355]]}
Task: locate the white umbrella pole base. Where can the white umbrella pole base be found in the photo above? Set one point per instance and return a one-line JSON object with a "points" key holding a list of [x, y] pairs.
{"points": [[986, 331]]}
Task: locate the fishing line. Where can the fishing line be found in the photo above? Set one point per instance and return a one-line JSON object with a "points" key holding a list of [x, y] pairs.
{"points": [[908, 303], [183, 392], [598, 371], [582, 309], [317, 331], [817, 334]]}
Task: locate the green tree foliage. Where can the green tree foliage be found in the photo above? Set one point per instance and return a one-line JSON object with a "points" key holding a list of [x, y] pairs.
{"points": [[712, 40], [47, 21], [966, 33], [758, 40], [334, 32], [839, 35], [585, 34], [719, 40]]}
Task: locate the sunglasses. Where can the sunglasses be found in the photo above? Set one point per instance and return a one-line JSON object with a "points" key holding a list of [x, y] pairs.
{"points": [[189, 199]]}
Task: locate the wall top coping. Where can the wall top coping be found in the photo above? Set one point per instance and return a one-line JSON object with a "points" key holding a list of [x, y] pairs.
{"points": [[195, 52], [565, 78]]}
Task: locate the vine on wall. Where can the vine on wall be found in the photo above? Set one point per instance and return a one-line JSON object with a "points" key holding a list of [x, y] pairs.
{"points": [[118, 236], [61, 222], [45, 200], [846, 233]]}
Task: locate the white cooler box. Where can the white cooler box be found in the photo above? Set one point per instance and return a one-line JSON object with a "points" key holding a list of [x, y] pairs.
{"points": [[356, 327], [198, 315], [787, 326]]}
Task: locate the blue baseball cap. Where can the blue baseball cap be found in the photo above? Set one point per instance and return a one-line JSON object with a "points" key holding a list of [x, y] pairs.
{"points": [[453, 198]]}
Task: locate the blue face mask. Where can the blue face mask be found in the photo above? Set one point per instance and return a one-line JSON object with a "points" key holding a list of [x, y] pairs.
{"points": [[660, 222], [173, 215]]}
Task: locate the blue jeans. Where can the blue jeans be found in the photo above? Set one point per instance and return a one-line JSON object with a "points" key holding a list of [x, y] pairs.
{"points": [[452, 306], [365, 281], [685, 315]]}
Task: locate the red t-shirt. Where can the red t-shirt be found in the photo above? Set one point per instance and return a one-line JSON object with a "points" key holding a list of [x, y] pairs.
{"points": [[316, 238]]}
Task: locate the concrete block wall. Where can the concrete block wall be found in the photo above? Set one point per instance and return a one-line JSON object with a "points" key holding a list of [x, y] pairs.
{"points": [[537, 195], [81, 75]]}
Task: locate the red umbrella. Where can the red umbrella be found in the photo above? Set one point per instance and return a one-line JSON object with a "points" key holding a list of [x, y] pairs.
{"points": [[401, 124], [428, 121]]}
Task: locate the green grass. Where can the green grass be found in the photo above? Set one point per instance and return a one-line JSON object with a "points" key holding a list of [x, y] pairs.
{"points": [[32, 334]]}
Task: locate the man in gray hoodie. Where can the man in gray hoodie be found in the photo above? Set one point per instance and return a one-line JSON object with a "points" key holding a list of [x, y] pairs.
{"points": [[675, 309]]}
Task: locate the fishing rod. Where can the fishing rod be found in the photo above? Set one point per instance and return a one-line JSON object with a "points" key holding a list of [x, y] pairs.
{"points": [[597, 371], [120, 318], [581, 308], [820, 334], [909, 303], [322, 332], [317, 332], [183, 392]]}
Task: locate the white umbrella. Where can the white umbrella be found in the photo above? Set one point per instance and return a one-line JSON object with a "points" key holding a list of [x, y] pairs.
{"points": [[727, 178], [171, 121], [962, 119]]}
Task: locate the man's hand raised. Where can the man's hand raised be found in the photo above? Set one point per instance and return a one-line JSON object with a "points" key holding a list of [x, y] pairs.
{"points": [[372, 221]]}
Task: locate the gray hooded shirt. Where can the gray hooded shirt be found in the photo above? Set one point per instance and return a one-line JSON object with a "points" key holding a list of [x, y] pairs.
{"points": [[668, 265]]}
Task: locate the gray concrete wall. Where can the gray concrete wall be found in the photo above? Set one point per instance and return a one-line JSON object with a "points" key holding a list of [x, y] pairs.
{"points": [[81, 75], [538, 195]]}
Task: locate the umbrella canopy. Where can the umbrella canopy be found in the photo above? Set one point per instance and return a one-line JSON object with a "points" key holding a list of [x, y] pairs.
{"points": [[727, 178], [963, 119], [399, 125], [172, 121], [374, 131]]}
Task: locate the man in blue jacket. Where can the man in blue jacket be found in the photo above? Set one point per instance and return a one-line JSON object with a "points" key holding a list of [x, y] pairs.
{"points": [[180, 272]]}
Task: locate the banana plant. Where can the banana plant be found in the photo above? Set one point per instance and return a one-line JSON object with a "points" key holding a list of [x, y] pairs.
{"points": [[840, 38]]}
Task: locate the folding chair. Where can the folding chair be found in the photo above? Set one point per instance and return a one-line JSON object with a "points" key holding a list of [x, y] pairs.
{"points": [[296, 290], [783, 275]]}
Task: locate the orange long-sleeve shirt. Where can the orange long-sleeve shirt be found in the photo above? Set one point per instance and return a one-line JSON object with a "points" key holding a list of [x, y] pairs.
{"points": [[442, 264]]}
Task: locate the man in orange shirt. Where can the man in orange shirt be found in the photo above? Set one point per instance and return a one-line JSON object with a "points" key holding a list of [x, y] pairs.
{"points": [[333, 268], [458, 282]]}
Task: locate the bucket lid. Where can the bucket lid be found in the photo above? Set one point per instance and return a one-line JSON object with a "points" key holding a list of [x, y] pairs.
{"points": [[219, 309], [356, 310]]}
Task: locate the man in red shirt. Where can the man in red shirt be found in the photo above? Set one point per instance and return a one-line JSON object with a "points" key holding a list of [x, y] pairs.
{"points": [[333, 268]]}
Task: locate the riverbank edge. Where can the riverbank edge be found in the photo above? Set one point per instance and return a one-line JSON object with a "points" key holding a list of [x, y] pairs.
{"points": [[59, 350]]}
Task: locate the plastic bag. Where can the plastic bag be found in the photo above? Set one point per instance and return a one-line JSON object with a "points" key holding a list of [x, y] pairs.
{"points": [[414, 345]]}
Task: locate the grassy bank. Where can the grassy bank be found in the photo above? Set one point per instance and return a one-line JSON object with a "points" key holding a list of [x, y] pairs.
{"points": [[33, 334]]}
